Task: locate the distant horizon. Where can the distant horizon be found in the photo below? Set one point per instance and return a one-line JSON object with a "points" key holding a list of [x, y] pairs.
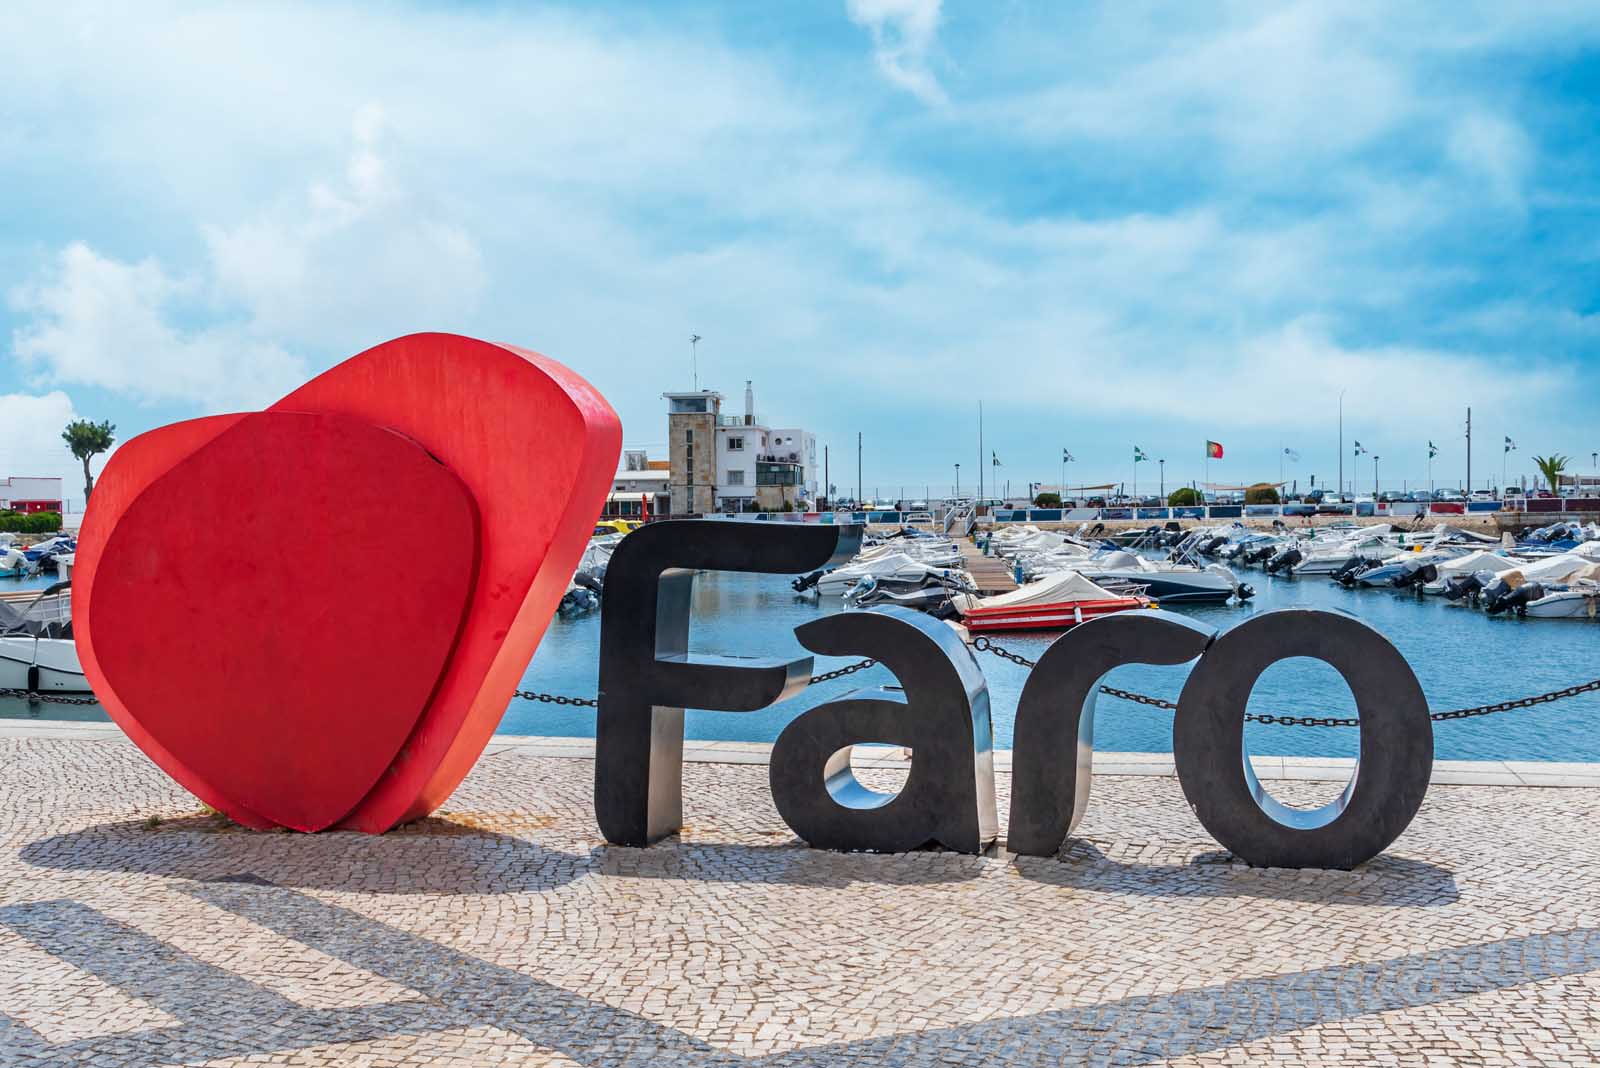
{"points": [[1117, 226]]}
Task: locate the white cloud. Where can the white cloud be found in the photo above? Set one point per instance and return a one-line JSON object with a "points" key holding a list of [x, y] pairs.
{"points": [[31, 444], [903, 33], [345, 265], [349, 261], [99, 322]]}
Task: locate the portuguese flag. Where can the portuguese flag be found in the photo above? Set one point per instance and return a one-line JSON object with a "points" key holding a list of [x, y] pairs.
{"points": [[1213, 450]]}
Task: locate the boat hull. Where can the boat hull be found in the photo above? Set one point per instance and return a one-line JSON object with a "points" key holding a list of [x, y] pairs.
{"points": [[1061, 616], [56, 660]]}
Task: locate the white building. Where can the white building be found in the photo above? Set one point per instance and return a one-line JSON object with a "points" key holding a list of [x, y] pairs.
{"points": [[640, 488], [753, 466], [19, 494]]}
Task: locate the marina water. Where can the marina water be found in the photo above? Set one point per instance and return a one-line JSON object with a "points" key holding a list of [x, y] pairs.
{"points": [[1461, 656]]}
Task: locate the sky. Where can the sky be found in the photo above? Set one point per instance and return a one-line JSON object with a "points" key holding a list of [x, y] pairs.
{"points": [[1116, 225]]}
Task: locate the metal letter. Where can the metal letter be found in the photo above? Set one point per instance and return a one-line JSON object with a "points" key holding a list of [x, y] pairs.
{"points": [[647, 675], [942, 716], [1053, 745], [1391, 774]]}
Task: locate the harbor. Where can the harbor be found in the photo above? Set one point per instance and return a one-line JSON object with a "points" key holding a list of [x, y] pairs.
{"points": [[861, 534]]}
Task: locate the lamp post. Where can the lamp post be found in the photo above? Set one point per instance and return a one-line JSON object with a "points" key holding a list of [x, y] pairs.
{"points": [[1162, 465], [957, 493], [1341, 443], [1374, 478]]}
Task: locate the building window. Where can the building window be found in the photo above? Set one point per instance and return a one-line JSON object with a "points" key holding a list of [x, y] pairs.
{"points": [[770, 474], [735, 478], [735, 443]]}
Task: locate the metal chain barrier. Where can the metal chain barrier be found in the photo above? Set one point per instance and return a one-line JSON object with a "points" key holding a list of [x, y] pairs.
{"points": [[589, 702], [984, 644], [50, 698]]}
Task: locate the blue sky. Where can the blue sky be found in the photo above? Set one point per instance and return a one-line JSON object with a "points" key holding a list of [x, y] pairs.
{"points": [[1116, 224]]}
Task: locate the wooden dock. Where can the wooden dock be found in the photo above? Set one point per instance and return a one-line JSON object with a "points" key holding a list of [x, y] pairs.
{"points": [[991, 574]]}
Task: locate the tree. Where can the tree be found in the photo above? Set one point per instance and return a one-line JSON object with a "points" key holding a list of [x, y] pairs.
{"points": [[1047, 500], [1551, 467], [88, 440], [1261, 493], [1183, 497]]}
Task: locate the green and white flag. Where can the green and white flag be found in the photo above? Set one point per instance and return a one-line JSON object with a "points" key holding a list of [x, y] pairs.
{"points": [[1138, 454], [1433, 450], [1511, 445]]}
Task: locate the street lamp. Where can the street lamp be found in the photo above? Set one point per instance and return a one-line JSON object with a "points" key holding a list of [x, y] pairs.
{"points": [[1162, 464], [957, 493], [1374, 477]]}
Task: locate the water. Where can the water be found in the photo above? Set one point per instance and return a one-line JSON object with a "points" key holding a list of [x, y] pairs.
{"points": [[1461, 656]]}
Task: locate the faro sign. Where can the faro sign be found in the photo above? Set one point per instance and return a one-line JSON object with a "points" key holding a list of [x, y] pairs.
{"points": [[315, 616]]}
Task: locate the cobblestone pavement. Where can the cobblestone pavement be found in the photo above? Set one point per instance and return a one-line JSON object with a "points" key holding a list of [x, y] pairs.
{"points": [[136, 931]]}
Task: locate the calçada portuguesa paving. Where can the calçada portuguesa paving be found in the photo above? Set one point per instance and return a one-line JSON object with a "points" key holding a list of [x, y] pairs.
{"points": [[503, 930]]}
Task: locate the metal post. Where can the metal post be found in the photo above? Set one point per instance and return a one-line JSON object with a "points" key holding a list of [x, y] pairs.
{"points": [[1374, 478], [1163, 490], [858, 469], [1469, 451], [957, 493], [827, 484], [1341, 443]]}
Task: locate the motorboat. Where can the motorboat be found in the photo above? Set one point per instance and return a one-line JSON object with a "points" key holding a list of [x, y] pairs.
{"points": [[14, 563], [1402, 569], [934, 595], [1055, 602], [37, 652], [1480, 563], [1163, 580]]}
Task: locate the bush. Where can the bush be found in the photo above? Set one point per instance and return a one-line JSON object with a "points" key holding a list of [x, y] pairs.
{"points": [[35, 523], [1183, 498], [1047, 500], [1261, 493]]}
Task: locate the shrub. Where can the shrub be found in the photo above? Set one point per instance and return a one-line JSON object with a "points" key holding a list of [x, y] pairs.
{"points": [[1183, 497], [34, 523], [1261, 493], [1047, 500]]}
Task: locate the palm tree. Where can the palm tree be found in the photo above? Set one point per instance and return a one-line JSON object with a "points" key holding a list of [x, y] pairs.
{"points": [[1551, 467], [88, 440]]}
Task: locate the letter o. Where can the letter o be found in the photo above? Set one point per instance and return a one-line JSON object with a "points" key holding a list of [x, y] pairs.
{"points": [[1391, 773]]}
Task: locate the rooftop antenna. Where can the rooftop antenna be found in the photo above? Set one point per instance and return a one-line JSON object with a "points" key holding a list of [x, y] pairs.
{"points": [[694, 360]]}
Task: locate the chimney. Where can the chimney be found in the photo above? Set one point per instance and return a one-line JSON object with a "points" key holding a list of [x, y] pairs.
{"points": [[749, 404]]}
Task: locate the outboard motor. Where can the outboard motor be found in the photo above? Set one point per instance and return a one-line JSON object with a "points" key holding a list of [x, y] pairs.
{"points": [[1210, 547], [805, 582], [1346, 575], [1284, 560], [1463, 586], [1416, 577], [1501, 598]]}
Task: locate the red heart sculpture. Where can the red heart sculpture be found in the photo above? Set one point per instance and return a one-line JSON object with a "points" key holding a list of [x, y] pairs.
{"points": [[345, 567], [534, 447]]}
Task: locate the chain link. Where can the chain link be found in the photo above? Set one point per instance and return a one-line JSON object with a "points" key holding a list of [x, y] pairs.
{"points": [[49, 698], [590, 702], [829, 676], [984, 644], [557, 699]]}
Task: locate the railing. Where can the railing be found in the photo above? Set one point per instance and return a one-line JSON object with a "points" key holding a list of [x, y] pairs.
{"points": [[959, 521]]}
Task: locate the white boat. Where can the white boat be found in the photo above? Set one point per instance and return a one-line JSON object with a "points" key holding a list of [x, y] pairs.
{"points": [[13, 564], [44, 665], [1475, 563], [892, 571], [1579, 601]]}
